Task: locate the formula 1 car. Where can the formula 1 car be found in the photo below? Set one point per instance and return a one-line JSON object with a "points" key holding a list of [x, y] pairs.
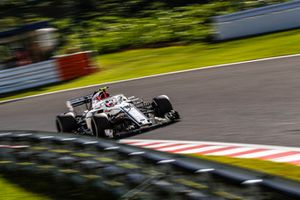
{"points": [[115, 116]]}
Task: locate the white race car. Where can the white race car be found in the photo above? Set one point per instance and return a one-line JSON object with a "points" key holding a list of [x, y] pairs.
{"points": [[115, 116]]}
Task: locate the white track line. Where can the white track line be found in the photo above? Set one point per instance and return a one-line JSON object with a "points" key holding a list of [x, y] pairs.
{"points": [[155, 75]]}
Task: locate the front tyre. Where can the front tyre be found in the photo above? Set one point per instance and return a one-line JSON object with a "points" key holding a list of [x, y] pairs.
{"points": [[66, 123], [100, 124], [161, 105]]}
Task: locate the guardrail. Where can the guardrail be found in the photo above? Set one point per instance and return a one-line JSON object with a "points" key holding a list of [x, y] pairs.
{"points": [[257, 21], [60, 68], [88, 168], [28, 76]]}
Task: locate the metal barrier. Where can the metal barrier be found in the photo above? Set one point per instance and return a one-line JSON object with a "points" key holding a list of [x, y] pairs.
{"points": [[28, 76], [88, 168], [257, 21], [60, 68]]}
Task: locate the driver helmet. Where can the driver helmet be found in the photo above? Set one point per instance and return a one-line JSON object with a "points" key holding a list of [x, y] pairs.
{"points": [[109, 103], [102, 94]]}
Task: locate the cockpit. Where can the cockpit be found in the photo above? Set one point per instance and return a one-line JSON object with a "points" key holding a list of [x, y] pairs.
{"points": [[109, 102]]}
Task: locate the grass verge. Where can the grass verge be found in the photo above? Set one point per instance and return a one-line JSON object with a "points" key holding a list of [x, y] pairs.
{"points": [[10, 191], [279, 169], [142, 62]]}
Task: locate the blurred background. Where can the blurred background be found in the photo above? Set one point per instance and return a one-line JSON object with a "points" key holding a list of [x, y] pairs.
{"points": [[89, 42], [105, 26]]}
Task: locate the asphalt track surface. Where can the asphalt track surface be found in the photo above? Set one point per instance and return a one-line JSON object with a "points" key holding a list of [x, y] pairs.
{"points": [[256, 102]]}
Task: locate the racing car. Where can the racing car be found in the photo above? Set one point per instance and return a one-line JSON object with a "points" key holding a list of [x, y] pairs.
{"points": [[115, 116]]}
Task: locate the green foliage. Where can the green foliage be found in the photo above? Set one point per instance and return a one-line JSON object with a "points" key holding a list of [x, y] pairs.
{"points": [[113, 25], [8, 22], [143, 62]]}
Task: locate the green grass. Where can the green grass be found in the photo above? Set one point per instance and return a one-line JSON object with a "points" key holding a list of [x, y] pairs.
{"points": [[10, 191], [142, 62], [279, 169]]}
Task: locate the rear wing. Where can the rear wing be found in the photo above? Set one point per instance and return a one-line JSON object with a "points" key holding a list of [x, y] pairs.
{"points": [[79, 101]]}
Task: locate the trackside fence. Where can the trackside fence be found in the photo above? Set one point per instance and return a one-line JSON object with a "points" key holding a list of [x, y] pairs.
{"points": [[57, 69], [28, 76], [266, 19]]}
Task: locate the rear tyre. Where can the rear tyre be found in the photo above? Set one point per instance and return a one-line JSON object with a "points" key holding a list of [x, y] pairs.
{"points": [[162, 105], [99, 124], [66, 123]]}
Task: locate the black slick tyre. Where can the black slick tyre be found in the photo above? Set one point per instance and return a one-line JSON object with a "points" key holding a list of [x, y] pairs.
{"points": [[100, 122], [162, 105], [66, 123]]}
